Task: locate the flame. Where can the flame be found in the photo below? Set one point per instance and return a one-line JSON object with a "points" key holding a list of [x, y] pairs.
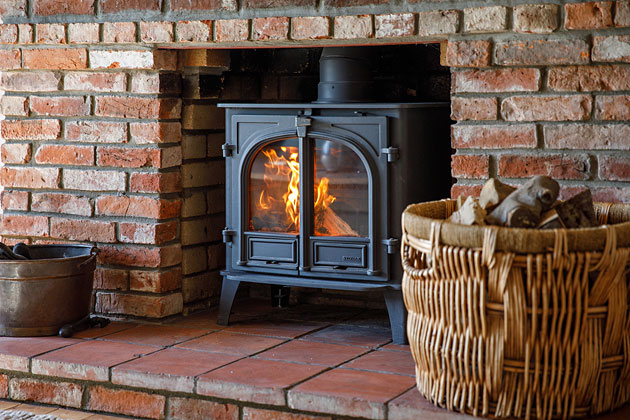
{"points": [[289, 167]]}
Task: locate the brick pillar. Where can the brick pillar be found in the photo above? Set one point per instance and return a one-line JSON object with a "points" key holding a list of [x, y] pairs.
{"points": [[93, 155]]}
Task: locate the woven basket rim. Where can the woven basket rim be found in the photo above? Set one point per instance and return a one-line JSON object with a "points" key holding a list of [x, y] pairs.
{"points": [[418, 218]]}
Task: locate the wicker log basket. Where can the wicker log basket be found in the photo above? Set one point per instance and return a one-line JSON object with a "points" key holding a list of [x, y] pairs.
{"points": [[522, 323]]}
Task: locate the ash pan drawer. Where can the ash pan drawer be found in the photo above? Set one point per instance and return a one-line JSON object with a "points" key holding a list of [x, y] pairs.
{"points": [[339, 254], [271, 249]]}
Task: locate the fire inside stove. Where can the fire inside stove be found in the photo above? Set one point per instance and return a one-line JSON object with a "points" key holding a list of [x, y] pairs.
{"points": [[340, 190]]}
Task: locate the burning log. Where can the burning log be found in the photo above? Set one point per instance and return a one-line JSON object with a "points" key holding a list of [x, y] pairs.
{"points": [[328, 223]]}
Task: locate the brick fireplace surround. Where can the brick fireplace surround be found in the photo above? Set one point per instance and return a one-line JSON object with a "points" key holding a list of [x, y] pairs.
{"points": [[102, 145]]}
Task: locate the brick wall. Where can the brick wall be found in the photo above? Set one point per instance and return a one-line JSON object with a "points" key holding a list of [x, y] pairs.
{"points": [[102, 145]]}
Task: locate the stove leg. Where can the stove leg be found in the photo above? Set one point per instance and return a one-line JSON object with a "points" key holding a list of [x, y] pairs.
{"points": [[397, 315], [228, 291]]}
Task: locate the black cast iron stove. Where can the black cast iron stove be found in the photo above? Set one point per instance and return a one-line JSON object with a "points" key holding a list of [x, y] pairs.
{"points": [[315, 191]]}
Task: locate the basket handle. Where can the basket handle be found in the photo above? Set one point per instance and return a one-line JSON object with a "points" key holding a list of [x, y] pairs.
{"points": [[489, 246]]}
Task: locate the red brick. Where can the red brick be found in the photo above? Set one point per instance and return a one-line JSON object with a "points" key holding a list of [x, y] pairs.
{"points": [[250, 413], [156, 31], [58, 393], [65, 155], [395, 25], [611, 48], [202, 174], [155, 182], [115, 6], [438, 22], [353, 27], [591, 15], [587, 136], [111, 279], [614, 168], [589, 78], [496, 80], [465, 190], [83, 33], [131, 403], [547, 108], [96, 132], [167, 60], [150, 306], [50, 33], [542, 52], [61, 203], [4, 386], [8, 34], [56, 7], [466, 53], [95, 82], [24, 225], [29, 82], [30, 129], [128, 157], [60, 106], [203, 5], [470, 166], [156, 132], [485, 19], [216, 201], [13, 8], [82, 230], [14, 105], [34, 178], [612, 107], [9, 60], [493, 136], [141, 256], [17, 153], [536, 18], [14, 200], [155, 281], [316, 27], [556, 166], [147, 233], [121, 59], [473, 109], [194, 409], [231, 30], [119, 32], [611, 194], [25, 33], [91, 180], [622, 13], [55, 58], [137, 206], [134, 107], [194, 31], [270, 28]]}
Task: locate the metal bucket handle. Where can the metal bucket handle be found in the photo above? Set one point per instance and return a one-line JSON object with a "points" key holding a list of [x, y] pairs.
{"points": [[93, 254]]}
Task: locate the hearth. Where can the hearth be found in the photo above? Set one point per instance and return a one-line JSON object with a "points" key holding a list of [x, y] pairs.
{"points": [[314, 191]]}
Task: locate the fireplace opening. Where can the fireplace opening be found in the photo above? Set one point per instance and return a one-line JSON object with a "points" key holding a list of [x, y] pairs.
{"points": [[321, 159]]}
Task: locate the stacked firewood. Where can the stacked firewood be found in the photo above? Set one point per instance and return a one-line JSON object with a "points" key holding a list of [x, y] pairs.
{"points": [[532, 205]]}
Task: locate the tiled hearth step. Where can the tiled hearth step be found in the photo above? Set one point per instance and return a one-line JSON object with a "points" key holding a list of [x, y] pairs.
{"points": [[298, 364]]}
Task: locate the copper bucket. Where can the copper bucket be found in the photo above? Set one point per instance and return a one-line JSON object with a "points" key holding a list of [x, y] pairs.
{"points": [[53, 289]]}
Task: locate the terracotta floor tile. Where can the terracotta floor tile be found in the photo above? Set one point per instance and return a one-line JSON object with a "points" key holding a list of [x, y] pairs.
{"points": [[96, 332], [386, 361], [312, 352], [255, 380], [15, 351], [204, 320], [396, 347], [412, 405], [349, 392], [252, 306], [352, 335], [64, 414], [156, 335], [369, 318], [5, 405], [171, 369], [106, 417], [315, 313], [275, 328], [88, 360], [231, 343], [34, 409]]}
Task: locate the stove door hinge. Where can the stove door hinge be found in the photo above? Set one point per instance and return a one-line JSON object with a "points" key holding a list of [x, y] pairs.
{"points": [[393, 153], [228, 149], [300, 124], [227, 235], [392, 245]]}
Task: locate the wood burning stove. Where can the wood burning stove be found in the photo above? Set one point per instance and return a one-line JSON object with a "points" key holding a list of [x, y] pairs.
{"points": [[315, 191]]}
